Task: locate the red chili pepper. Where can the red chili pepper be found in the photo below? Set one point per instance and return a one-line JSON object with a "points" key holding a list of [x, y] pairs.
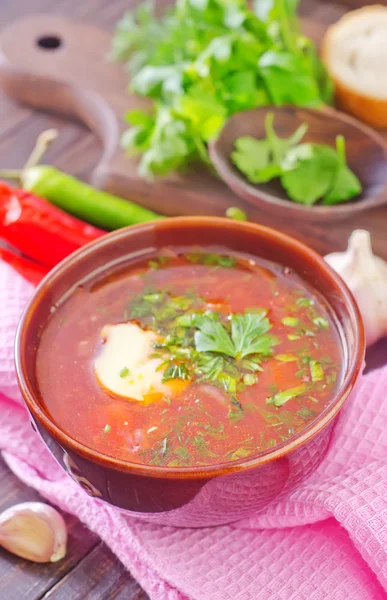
{"points": [[30, 270], [39, 229]]}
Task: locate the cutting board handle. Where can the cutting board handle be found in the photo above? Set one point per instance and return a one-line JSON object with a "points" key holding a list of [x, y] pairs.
{"points": [[54, 64]]}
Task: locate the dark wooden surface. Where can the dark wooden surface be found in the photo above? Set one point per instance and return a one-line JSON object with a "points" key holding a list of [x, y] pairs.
{"points": [[90, 570], [77, 80]]}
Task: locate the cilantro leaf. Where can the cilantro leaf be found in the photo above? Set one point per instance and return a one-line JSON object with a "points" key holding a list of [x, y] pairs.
{"points": [[288, 79], [205, 60], [313, 177], [252, 157], [261, 160], [281, 146], [346, 185], [308, 172]]}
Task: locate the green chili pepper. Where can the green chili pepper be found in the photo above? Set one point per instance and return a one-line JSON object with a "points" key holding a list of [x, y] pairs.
{"points": [[73, 196], [85, 202]]}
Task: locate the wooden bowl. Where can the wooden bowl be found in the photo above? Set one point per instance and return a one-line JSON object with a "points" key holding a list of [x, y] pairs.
{"points": [[202, 495], [365, 149]]}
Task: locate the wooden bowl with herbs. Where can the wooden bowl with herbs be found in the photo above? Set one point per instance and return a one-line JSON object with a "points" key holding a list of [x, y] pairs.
{"points": [[310, 164]]}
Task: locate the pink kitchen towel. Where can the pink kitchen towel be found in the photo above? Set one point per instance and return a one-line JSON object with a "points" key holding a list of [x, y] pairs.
{"points": [[326, 540]]}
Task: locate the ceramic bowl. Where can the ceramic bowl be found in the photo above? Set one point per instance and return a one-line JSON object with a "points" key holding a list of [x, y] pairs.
{"points": [[190, 496]]}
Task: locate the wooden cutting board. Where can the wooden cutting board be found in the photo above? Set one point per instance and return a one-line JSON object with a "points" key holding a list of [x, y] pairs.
{"points": [[54, 64]]}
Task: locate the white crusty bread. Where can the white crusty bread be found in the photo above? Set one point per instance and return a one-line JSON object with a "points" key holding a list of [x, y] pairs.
{"points": [[354, 51]]}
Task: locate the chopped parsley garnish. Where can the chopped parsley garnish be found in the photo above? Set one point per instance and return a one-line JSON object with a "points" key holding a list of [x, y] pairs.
{"points": [[249, 379], [176, 371], [124, 372], [304, 302], [159, 262], [321, 322], [316, 371], [292, 337], [286, 357], [211, 259], [290, 321], [281, 398], [306, 414], [235, 411], [230, 351]]}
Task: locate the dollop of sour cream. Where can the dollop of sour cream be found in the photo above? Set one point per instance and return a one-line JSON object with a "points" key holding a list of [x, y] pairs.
{"points": [[125, 368]]}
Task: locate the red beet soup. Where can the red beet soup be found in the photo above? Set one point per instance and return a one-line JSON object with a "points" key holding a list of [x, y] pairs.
{"points": [[190, 357]]}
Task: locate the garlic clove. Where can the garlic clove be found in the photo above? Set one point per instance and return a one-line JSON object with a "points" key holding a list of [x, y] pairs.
{"points": [[34, 531], [366, 276]]}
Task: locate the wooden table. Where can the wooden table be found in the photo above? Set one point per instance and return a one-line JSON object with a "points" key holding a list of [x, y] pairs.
{"points": [[90, 570]]}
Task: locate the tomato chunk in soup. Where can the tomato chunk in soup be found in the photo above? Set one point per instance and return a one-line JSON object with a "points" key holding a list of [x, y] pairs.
{"points": [[193, 357]]}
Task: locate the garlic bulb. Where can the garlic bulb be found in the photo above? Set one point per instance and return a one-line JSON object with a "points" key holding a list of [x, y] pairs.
{"points": [[366, 276], [34, 531]]}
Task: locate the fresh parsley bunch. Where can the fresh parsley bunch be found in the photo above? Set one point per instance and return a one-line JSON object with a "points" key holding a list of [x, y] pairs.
{"points": [[202, 62]]}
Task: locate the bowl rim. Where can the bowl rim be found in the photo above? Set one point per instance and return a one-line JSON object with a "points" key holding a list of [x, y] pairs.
{"points": [[354, 367]]}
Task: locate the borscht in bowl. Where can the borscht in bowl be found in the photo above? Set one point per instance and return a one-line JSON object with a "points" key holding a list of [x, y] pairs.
{"points": [[190, 370]]}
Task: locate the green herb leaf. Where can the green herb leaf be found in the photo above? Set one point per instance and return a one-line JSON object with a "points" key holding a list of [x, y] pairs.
{"points": [[205, 60], [292, 337], [235, 412], [211, 259], [124, 372], [280, 398], [321, 322], [306, 414], [304, 302], [253, 159], [247, 333], [182, 453], [229, 383], [213, 337], [288, 79], [313, 177], [316, 371], [286, 357], [210, 366], [176, 371], [346, 185], [308, 172], [251, 364], [261, 160], [240, 453], [290, 321], [249, 379]]}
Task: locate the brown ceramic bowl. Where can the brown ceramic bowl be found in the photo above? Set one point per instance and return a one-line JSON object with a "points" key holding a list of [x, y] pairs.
{"points": [[190, 496]]}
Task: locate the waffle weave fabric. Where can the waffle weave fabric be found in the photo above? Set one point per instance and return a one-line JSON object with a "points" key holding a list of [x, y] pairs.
{"points": [[326, 540]]}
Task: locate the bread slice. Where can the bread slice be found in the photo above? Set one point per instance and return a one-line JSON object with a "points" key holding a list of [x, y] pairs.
{"points": [[354, 51]]}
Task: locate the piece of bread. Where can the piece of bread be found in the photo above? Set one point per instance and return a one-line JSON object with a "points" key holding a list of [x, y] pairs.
{"points": [[354, 51]]}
